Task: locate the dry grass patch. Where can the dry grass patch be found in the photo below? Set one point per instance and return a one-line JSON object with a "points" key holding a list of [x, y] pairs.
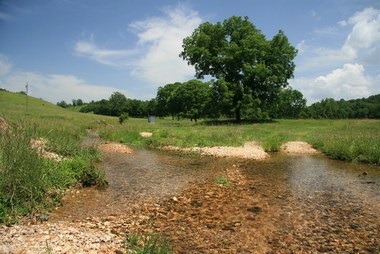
{"points": [[146, 134]]}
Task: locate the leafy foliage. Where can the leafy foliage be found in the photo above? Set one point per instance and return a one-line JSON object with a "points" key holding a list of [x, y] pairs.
{"points": [[237, 53], [359, 108], [118, 104]]}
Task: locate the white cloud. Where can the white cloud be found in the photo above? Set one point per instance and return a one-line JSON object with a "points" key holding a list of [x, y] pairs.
{"points": [[162, 40], [347, 71], [159, 43], [347, 82], [5, 65], [104, 56], [364, 39], [55, 87], [361, 44], [4, 16]]}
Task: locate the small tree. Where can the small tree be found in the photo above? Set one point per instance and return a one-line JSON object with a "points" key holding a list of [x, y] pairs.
{"points": [[62, 104], [162, 99], [192, 99], [117, 103], [123, 117]]}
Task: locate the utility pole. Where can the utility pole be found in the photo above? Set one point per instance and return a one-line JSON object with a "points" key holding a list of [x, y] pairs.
{"points": [[26, 96]]}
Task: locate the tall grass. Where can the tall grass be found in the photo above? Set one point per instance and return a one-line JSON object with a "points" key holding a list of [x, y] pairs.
{"points": [[357, 141], [23, 182], [30, 183]]}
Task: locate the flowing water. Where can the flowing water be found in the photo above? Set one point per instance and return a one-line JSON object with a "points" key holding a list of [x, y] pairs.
{"points": [[143, 177], [311, 177], [323, 205], [314, 200]]}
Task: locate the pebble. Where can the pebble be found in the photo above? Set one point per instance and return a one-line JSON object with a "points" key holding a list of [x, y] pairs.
{"points": [[60, 237]]}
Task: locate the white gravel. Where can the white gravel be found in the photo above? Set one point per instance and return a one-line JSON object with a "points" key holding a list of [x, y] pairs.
{"points": [[60, 237], [250, 150]]}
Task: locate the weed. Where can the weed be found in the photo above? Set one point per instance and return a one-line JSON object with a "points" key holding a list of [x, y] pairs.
{"points": [[222, 180], [148, 244]]}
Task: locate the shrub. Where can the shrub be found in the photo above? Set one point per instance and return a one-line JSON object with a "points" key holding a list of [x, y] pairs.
{"points": [[123, 117]]}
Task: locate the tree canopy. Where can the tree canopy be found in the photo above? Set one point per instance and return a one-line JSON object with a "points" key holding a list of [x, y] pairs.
{"points": [[238, 55]]}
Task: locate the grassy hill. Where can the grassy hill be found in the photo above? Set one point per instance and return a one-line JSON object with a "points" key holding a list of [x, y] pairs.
{"points": [[18, 107]]}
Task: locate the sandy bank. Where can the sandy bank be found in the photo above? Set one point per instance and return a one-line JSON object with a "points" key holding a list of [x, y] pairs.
{"points": [[298, 147], [250, 150]]}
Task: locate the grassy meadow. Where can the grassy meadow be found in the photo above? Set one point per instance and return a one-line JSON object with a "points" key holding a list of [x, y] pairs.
{"points": [[31, 184], [350, 140]]}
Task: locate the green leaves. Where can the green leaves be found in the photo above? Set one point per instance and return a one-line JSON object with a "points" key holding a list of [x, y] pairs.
{"points": [[238, 53]]}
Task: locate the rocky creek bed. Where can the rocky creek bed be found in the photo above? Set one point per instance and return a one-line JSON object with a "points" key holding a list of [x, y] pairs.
{"points": [[256, 211]]}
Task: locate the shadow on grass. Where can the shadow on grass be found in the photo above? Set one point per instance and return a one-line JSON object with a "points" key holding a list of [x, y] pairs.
{"points": [[214, 122]]}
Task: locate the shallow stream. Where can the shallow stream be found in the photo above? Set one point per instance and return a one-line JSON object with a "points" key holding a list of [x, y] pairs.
{"points": [[149, 175], [314, 200]]}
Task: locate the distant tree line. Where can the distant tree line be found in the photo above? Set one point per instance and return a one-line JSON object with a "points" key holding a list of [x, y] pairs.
{"points": [[118, 104], [357, 108], [75, 102], [195, 100]]}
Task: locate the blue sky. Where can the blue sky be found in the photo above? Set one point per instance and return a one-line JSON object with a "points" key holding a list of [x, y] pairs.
{"points": [[88, 49]]}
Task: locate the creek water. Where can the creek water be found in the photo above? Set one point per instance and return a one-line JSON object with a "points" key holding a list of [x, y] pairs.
{"points": [[312, 201], [150, 175], [146, 176], [310, 177]]}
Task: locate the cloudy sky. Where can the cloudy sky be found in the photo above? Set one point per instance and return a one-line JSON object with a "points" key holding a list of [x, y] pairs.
{"points": [[88, 49]]}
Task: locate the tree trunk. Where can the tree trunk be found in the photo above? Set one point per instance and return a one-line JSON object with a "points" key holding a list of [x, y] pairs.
{"points": [[237, 115]]}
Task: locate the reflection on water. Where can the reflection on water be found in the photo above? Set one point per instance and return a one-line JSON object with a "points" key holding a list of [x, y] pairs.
{"points": [[313, 175], [319, 204], [143, 177], [305, 176], [153, 174]]}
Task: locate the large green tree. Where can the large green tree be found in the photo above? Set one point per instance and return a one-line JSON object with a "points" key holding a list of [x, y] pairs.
{"points": [[237, 53]]}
